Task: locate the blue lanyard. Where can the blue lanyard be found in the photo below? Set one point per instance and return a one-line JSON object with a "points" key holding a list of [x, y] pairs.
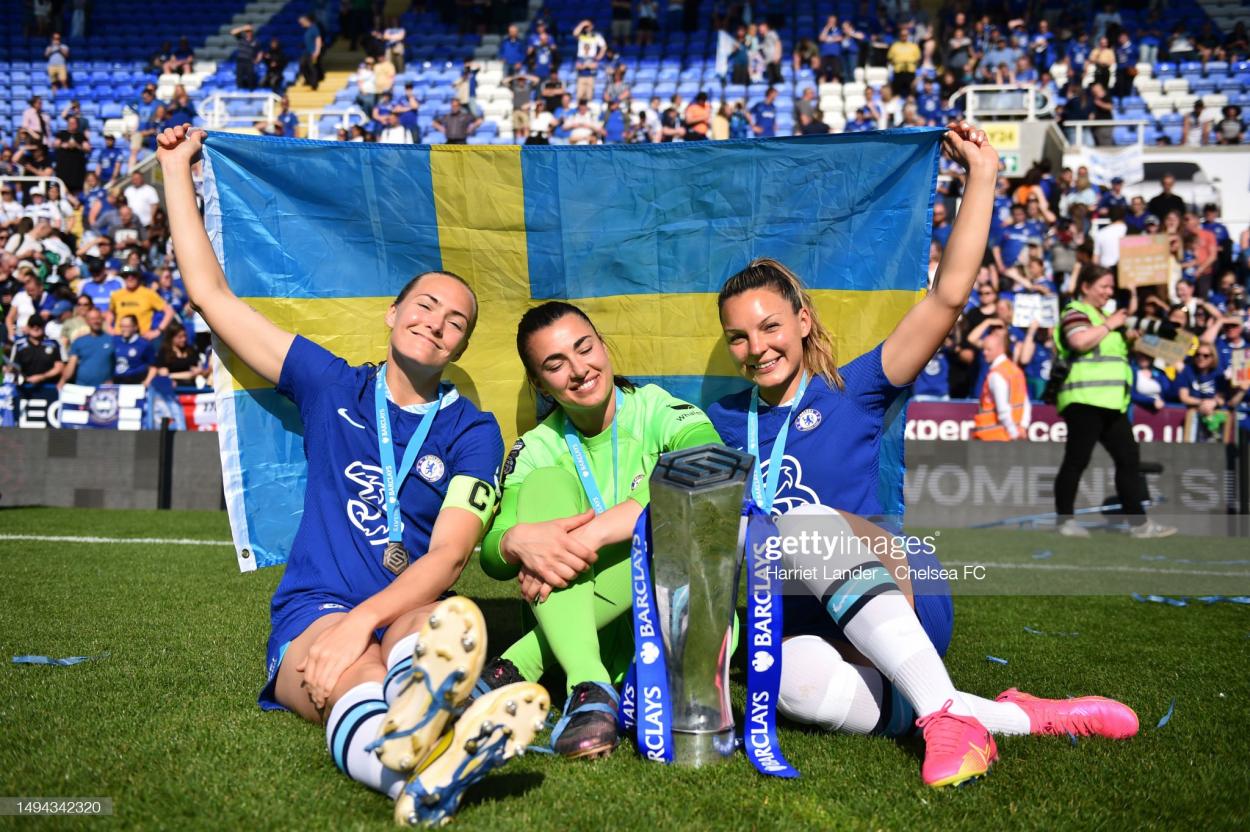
{"points": [[583, 464], [765, 492], [392, 481]]}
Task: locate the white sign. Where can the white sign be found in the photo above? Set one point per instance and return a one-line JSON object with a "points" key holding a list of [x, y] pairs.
{"points": [[1126, 163], [1030, 307]]}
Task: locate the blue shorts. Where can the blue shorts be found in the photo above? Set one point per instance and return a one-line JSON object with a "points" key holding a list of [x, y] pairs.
{"points": [[806, 615], [285, 630], [297, 618]]}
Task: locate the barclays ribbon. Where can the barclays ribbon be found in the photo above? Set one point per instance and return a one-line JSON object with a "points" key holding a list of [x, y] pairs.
{"points": [[626, 717], [655, 713], [580, 462], [392, 480], [764, 624]]}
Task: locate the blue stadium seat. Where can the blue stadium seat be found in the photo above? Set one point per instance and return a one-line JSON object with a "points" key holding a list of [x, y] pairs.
{"points": [[1165, 69]]}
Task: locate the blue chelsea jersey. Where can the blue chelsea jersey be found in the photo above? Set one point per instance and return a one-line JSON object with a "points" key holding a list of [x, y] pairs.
{"points": [[338, 549], [836, 443]]}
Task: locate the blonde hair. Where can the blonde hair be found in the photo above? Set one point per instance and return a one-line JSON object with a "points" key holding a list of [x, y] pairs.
{"points": [[819, 355]]}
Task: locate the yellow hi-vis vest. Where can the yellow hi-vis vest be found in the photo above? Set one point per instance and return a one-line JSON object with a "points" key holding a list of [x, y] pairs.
{"points": [[1101, 377]]}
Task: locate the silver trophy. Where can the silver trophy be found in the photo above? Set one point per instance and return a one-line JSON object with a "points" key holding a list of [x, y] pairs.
{"points": [[696, 503]]}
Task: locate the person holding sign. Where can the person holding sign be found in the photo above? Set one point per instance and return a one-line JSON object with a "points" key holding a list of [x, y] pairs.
{"points": [[401, 482], [858, 657], [573, 488], [1094, 400]]}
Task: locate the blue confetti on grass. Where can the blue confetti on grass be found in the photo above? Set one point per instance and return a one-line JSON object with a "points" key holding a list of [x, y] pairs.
{"points": [[1168, 716], [1160, 599], [995, 660], [1072, 738], [68, 661], [1043, 554], [1036, 632]]}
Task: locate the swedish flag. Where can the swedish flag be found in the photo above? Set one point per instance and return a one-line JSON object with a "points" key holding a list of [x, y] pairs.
{"points": [[320, 237]]}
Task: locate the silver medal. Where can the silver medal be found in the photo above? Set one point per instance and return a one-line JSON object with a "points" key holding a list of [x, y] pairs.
{"points": [[395, 558]]}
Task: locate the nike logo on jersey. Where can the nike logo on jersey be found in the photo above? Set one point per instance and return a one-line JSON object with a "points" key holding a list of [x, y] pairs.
{"points": [[343, 412]]}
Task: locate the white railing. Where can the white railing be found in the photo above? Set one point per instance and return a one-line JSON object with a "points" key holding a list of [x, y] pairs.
{"points": [[215, 110], [1083, 137], [347, 116], [46, 180], [1024, 101]]}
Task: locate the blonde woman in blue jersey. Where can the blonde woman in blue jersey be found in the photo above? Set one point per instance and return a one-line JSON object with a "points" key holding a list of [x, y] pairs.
{"points": [[360, 641], [816, 430]]}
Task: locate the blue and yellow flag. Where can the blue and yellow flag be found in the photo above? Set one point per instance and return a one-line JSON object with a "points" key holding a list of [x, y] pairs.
{"points": [[320, 237]]}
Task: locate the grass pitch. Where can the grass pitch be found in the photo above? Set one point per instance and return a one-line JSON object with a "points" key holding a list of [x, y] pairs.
{"points": [[167, 724]]}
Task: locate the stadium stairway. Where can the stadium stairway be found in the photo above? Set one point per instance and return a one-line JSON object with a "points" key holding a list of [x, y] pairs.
{"points": [[339, 63], [220, 47]]}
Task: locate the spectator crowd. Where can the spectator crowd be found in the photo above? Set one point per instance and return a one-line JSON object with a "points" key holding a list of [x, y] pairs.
{"points": [[89, 289]]}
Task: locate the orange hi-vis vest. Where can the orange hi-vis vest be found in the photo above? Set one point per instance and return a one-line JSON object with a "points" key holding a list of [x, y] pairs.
{"points": [[985, 423]]}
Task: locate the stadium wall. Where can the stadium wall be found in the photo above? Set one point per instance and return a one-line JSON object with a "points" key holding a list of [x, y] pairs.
{"points": [[948, 483], [106, 469]]}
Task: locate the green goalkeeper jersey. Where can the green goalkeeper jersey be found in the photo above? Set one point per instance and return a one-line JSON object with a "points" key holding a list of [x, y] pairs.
{"points": [[649, 422]]}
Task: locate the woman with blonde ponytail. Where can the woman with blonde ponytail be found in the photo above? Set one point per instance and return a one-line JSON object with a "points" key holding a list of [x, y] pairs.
{"points": [[862, 652]]}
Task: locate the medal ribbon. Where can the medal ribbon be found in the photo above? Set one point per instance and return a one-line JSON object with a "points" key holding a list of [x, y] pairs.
{"points": [[392, 480], [582, 464], [765, 491]]}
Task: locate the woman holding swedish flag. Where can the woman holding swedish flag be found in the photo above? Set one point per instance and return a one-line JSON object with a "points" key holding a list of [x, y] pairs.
{"points": [[816, 431], [363, 636]]}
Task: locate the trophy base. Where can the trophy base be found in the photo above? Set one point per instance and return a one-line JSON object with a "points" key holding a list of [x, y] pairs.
{"points": [[695, 749]]}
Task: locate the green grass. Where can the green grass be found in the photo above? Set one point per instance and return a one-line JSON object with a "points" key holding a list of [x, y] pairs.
{"points": [[167, 723]]}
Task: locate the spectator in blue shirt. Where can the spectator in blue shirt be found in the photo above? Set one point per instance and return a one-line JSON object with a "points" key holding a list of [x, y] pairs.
{"points": [[1202, 388], [288, 119], [133, 356], [1231, 337], [764, 115], [862, 122], [91, 355], [1211, 222], [1015, 239], [1137, 216], [112, 158], [512, 50], [101, 286], [1035, 354], [614, 124], [929, 102], [1151, 386], [941, 228], [1113, 197]]}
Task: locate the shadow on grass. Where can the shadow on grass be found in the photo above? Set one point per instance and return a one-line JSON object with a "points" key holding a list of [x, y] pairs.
{"points": [[502, 786]]}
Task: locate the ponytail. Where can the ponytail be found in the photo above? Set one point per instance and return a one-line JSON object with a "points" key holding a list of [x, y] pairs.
{"points": [[819, 355]]}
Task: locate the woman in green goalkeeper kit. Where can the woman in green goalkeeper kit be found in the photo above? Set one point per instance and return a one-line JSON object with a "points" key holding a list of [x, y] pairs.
{"points": [[573, 488]]}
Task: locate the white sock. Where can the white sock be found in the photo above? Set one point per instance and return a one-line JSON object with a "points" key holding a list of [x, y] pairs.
{"points": [[819, 687], [874, 615], [353, 724], [999, 717], [398, 664]]}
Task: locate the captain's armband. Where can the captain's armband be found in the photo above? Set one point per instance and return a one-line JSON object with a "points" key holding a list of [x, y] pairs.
{"points": [[473, 495]]}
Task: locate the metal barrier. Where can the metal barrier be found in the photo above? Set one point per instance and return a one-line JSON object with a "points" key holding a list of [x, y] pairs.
{"points": [[1081, 128], [47, 180], [310, 120], [1013, 101], [216, 114]]}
